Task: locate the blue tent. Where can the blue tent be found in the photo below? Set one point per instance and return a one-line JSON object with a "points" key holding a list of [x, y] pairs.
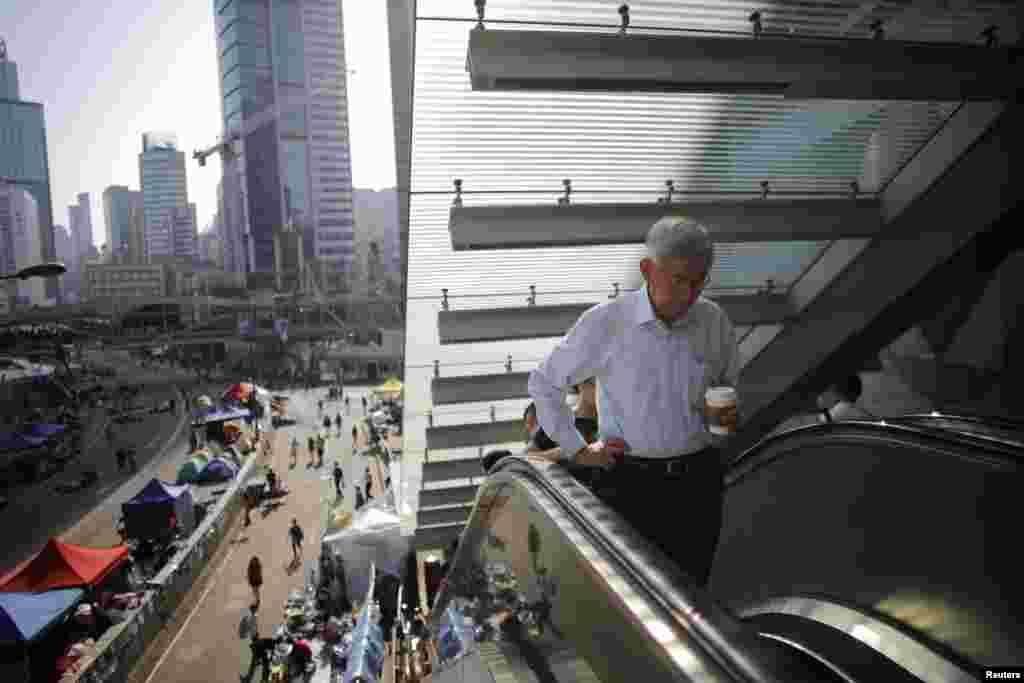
{"points": [[12, 441], [218, 469], [220, 415], [26, 616], [147, 514], [43, 431]]}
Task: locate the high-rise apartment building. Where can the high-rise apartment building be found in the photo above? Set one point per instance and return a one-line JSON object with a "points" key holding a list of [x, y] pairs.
{"points": [[65, 251], [162, 179], [286, 56], [136, 231], [80, 228], [117, 206], [23, 158], [183, 233]]}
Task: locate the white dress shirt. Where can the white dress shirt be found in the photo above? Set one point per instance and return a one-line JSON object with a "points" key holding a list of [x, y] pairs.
{"points": [[651, 378]]}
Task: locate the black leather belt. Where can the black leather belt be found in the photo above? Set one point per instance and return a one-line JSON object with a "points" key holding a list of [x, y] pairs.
{"points": [[676, 465]]}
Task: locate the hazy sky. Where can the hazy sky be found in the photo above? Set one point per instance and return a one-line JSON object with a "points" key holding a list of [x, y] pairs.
{"points": [[109, 70]]}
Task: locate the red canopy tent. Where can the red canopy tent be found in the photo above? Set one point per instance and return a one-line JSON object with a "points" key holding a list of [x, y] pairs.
{"points": [[63, 565]]}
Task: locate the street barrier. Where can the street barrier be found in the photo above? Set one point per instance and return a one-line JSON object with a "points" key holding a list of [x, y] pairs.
{"points": [[124, 643]]}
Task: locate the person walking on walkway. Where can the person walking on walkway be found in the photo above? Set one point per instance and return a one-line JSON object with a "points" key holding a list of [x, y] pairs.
{"points": [[364, 405], [355, 437], [321, 446], [255, 578], [311, 446], [339, 479], [295, 534], [347, 411], [295, 451], [248, 629], [337, 423]]}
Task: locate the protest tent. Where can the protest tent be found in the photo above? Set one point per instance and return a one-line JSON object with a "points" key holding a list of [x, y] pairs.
{"points": [[392, 388], [12, 441], [240, 392], [43, 431], [190, 469], [63, 565], [147, 514], [25, 617], [218, 469]]}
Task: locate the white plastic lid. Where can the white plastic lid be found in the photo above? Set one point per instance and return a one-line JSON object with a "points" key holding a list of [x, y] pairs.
{"points": [[721, 395]]}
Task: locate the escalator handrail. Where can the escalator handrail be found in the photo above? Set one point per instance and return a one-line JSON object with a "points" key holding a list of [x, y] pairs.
{"points": [[995, 420], [1006, 432], [730, 645], [923, 657], [970, 447]]}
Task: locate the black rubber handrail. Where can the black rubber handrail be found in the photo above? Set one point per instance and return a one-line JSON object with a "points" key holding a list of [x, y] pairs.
{"points": [[847, 657], [1000, 454], [994, 429]]}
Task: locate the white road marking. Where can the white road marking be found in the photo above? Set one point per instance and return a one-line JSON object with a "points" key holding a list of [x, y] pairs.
{"points": [[199, 603]]}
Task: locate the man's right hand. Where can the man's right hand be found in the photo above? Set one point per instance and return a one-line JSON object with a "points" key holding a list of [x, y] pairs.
{"points": [[602, 453]]}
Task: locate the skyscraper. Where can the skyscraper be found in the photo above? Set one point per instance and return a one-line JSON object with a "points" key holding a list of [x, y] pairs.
{"points": [[19, 241], [81, 228], [283, 88], [23, 157], [80, 224], [117, 204], [65, 250], [162, 179]]}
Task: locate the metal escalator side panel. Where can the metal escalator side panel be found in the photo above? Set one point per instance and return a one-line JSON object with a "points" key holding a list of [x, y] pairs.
{"points": [[576, 594], [914, 525]]}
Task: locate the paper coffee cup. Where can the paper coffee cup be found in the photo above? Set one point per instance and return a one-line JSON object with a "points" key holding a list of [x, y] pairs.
{"points": [[717, 400]]}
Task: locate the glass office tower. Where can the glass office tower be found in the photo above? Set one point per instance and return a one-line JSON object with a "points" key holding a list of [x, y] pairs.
{"points": [[283, 84], [23, 158]]}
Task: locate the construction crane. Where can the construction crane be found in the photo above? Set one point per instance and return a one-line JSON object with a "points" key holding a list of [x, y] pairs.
{"points": [[226, 147]]}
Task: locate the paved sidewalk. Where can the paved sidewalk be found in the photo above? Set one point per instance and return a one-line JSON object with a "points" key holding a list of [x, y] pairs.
{"points": [[205, 645]]}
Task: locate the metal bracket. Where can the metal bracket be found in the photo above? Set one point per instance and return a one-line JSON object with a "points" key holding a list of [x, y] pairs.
{"points": [[989, 34], [670, 188], [615, 293], [877, 30], [480, 13], [492, 414], [624, 13], [854, 190], [430, 418], [437, 368], [444, 298], [755, 19], [508, 363], [769, 286], [532, 299], [764, 189], [458, 192], [564, 200]]}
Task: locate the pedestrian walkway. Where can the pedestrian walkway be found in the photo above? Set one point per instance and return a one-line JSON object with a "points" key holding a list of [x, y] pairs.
{"points": [[207, 647]]}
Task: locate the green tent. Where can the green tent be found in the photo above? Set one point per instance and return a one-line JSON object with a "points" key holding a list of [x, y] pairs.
{"points": [[189, 471]]}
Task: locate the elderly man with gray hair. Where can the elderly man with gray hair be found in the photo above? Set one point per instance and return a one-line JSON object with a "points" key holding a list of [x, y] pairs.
{"points": [[654, 353]]}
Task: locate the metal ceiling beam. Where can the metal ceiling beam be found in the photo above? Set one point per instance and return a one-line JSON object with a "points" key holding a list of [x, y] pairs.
{"points": [[963, 179], [538, 322], [451, 495], [474, 435], [794, 67], [479, 388], [584, 225], [436, 537], [457, 468], [447, 515]]}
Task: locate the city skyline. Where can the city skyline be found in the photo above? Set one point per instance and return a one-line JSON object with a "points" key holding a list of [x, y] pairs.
{"points": [[102, 89]]}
